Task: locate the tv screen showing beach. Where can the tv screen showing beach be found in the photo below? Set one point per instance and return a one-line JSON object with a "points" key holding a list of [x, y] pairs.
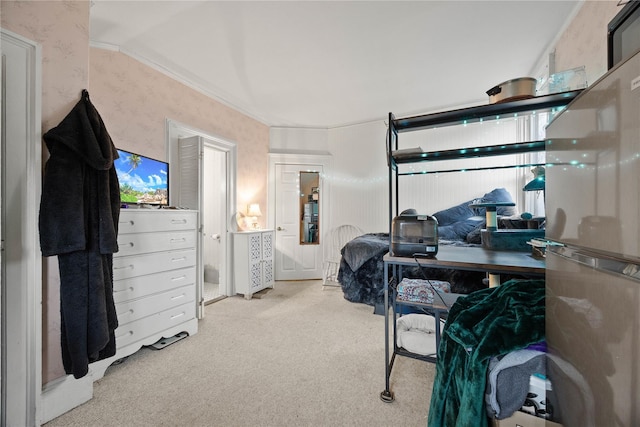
{"points": [[142, 180]]}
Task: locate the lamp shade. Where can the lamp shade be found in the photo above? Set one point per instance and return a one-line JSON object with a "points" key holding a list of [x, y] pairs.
{"points": [[538, 181], [536, 184], [254, 210]]}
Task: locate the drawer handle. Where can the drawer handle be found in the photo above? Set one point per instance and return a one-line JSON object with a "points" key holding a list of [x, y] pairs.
{"points": [[177, 315], [126, 222], [175, 279], [177, 297], [178, 221], [178, 240], [123, 267], [184, 258], [129, 289]]}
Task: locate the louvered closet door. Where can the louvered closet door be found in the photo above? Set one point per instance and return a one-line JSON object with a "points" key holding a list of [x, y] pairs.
{"points": [[190, 196], [190, 182]]}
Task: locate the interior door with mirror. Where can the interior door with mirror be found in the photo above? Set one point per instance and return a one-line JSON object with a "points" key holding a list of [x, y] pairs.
{"points": [[298, 221]]}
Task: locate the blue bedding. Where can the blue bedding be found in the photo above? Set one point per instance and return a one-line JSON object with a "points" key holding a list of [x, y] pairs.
{"points": [[365, 284], [362, 269], [463, 211], [363, 248]]}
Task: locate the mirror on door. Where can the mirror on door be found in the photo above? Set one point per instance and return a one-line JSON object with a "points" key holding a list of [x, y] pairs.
{"points": [[309, 203]]}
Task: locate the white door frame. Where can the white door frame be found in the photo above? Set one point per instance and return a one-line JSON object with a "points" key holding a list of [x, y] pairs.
{"points": [[301, 159], [176, 130], [21, 404]]}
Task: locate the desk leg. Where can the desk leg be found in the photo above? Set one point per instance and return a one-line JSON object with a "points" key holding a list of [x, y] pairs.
{"points": [[386, 395], [436, 315]]}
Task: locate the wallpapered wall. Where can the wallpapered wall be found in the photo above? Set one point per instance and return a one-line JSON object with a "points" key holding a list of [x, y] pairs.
{"points": [[134, 101], [62, 29], [584, 42]]}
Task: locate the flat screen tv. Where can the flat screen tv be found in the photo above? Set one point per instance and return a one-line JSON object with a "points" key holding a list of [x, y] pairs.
{"points": [[143, 180]]}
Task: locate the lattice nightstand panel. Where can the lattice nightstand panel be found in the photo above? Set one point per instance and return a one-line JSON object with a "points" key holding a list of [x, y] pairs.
{"points": [[253, 261]]}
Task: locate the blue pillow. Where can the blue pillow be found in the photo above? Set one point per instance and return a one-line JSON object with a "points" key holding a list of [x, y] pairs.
{"points": [[459, 230], [454, 214], [497, 195]]}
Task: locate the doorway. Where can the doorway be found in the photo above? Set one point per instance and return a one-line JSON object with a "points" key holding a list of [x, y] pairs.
{"points": [[203, 178], [299, 197], [214, 194]]}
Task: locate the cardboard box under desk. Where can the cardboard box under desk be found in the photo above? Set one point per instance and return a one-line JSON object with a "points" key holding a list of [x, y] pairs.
{"points": [[521, 419]]}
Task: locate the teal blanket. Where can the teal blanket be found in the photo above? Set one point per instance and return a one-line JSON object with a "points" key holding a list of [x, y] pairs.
{"points": [[485, 323]]}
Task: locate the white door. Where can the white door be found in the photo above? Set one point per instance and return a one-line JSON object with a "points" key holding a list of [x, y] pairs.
{"points": [[204, 187], [21, 260], [294, 260], [214, 221]]}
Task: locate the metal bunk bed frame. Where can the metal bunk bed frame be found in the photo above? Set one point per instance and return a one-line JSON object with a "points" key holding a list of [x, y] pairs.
{"points": [[396, 157]]}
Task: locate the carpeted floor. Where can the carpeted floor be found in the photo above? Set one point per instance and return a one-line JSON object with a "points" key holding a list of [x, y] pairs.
{"points": [[297, 356]]}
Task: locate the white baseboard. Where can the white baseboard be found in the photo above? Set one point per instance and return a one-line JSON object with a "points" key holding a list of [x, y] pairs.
{"points": [[64, 394]]}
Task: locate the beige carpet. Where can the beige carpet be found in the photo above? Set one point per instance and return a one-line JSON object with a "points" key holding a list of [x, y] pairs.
{"points": [[297, 356]]}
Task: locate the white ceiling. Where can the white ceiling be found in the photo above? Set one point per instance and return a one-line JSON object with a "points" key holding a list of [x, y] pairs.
{"points": [[325, 64]]}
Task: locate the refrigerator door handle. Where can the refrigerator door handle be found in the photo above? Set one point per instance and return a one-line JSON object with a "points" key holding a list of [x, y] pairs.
{"points": [[608, 264]]}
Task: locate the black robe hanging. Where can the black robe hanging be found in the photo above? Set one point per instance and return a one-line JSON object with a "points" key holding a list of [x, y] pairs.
{"points": [[79, 212]]}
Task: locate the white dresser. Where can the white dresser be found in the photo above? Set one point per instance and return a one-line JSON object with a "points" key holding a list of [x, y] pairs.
{"points": [[154, 277], [253, 261], [154, 289]]}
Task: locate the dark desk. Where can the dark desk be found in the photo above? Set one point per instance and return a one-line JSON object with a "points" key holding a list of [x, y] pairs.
{"points": [[476, 259], [457, 258]]}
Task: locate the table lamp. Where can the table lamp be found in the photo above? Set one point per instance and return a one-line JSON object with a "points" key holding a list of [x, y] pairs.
{"points": [[253, 212]]}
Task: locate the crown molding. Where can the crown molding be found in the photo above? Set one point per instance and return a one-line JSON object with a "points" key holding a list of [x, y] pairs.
{"points": [[189, 82]]}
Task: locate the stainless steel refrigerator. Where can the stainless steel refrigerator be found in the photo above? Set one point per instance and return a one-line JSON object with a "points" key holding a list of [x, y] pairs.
{"points": [[593, 275]]}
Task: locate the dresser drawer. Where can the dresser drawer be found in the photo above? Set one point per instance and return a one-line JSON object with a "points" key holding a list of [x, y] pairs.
{"points": [[145, 327], [140, 265], [133, 244], [142, 221], [142, 286], [130, 311]]}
